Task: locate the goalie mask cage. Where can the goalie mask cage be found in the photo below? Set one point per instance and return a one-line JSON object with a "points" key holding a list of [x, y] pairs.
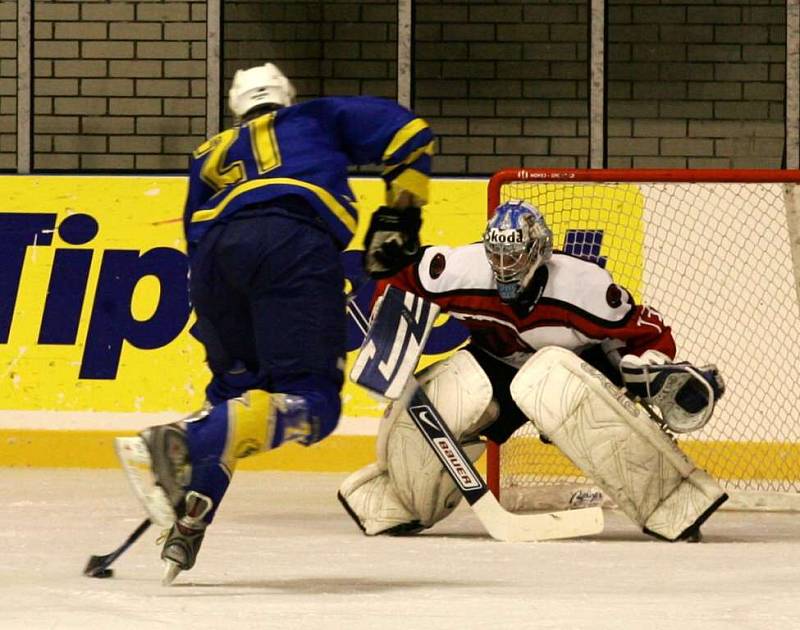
{"points": [[716, 252]]}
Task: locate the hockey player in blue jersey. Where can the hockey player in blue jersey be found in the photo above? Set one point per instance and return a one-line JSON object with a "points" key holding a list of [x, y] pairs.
{"points": [[268, 211]]}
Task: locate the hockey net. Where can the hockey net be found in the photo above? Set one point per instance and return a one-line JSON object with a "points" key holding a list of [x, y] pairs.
{"points": [[711, 251]]}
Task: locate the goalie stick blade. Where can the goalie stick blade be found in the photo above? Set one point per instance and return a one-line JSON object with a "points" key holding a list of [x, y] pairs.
{"points": [[509, 527]]}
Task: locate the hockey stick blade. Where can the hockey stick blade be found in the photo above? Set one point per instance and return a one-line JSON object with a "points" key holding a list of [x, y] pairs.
{"points": [[510, 527], [98, 566]]}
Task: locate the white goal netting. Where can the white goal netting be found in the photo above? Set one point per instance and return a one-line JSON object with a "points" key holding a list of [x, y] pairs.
{"points": [[715, 258]]}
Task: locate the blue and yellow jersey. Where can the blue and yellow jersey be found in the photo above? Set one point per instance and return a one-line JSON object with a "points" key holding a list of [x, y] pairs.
{"points": [[306, 150]]}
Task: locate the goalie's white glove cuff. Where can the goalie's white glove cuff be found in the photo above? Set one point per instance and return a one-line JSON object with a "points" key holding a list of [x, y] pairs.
{"points": [[649, 357], [639, 378]]}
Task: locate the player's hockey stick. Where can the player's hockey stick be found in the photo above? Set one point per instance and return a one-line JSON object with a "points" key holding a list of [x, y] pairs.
{"points": [[499, 523], [98, 566]]}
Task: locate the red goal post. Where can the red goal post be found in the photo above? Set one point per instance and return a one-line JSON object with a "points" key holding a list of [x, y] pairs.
{"points": [[717, 252]]}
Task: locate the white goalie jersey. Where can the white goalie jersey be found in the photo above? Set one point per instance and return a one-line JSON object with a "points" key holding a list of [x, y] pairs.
{"points": [[571, 303]]}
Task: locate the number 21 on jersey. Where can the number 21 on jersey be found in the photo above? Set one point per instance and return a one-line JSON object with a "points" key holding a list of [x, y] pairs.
{"points": [[218, 172]]}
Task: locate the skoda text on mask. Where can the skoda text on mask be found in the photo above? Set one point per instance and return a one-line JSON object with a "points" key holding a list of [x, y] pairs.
{"points": [[504, 236]]}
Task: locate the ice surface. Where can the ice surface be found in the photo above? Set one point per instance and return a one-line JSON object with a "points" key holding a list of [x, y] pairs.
{"points": [[282, 554]]}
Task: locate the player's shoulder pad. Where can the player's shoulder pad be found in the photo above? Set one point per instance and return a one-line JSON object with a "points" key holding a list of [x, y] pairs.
{"points": [[587, 286], [450, 269]]}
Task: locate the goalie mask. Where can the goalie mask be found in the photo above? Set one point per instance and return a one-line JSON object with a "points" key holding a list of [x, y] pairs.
{"points": [[517, 242], [262, 85]]}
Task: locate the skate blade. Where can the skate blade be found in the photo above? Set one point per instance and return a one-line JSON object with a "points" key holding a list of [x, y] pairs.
{"points": [[135, 459], [171, 571]]}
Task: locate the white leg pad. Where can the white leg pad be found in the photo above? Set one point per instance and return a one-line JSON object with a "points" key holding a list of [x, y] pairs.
{"points": [[407, 484], [372, 501], [694, 500], [419, 479], [614, 441]]}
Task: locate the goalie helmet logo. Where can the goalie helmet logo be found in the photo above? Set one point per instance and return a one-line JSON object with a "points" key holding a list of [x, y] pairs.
{"points": [[495, 235]]}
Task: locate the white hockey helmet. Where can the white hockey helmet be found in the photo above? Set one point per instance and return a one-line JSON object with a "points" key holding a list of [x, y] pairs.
{"points": [[517, 242], [259, 86]]}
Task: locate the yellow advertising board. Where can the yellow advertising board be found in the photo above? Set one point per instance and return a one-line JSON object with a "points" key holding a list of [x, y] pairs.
{"points": [[94, 320], [81, 337]]}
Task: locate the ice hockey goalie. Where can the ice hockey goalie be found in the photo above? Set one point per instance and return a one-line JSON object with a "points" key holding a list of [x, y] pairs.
{"points": [[556, 342]]}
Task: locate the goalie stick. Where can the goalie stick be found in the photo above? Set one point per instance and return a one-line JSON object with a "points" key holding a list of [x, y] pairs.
{"points": [[403, 322]]}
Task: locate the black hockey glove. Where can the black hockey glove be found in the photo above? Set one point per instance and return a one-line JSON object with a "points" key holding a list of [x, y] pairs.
{"points": [[392, 240]]}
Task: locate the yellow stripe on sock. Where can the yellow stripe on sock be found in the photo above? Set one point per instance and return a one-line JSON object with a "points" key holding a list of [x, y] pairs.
{"points": [[251, 426]]}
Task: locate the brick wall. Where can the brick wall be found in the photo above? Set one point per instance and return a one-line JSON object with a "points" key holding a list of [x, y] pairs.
{"points": [[504, 84], [118, 85], [8, 86], [285, 33], [326, 48], [696, 84]]}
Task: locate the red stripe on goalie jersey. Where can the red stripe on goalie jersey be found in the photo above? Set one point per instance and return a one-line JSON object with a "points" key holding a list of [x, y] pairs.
{"points": [[579, 307]]}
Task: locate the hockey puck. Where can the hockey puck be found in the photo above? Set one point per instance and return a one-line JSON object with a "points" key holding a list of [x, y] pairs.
{"points": [[97, 567]]}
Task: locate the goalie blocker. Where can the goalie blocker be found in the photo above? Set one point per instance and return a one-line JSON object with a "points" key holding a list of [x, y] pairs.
{"points": [[613, 440]]}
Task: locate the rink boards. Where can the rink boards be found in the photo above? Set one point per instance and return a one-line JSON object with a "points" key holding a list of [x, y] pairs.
{"points": [[94, 320], [94, 325]]}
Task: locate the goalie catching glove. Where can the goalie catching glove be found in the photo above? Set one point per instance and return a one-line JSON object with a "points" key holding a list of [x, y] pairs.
{"points": [[392, 240], [683, 394]]}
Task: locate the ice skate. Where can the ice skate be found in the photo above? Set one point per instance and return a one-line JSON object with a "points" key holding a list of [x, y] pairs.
{"points": [[158, 468], [185, 537]]}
